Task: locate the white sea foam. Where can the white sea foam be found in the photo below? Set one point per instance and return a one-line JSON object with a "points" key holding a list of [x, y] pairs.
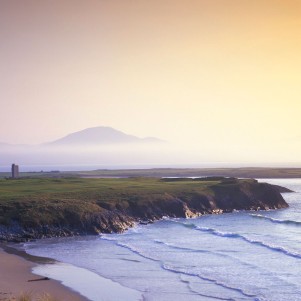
{"points": [[276, 220], [249, 240], [87, 283]]}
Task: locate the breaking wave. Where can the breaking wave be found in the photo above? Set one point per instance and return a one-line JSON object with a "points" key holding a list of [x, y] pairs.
{"points": [[277, 221], [244, 238], [179, 271]]}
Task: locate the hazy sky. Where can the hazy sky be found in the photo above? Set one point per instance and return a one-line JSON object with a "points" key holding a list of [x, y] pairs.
{"points": [[218, 76]]}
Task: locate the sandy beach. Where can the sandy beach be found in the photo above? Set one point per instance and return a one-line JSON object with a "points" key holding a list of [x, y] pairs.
{"points": [[15, 272]]}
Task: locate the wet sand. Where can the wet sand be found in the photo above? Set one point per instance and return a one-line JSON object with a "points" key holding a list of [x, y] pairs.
{"points": [[15, 271]]}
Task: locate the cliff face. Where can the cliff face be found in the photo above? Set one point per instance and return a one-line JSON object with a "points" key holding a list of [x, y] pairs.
{"points": [[103, 216]]}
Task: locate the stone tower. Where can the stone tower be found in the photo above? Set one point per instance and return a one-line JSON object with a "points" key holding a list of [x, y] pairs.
{"points": [[15, 171]]}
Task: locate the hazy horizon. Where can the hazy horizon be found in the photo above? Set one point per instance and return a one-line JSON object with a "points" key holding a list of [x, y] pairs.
{"points": [[219, 80]]}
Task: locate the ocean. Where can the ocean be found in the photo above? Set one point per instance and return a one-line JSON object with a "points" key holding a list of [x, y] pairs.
{"points": [[237, 256]]}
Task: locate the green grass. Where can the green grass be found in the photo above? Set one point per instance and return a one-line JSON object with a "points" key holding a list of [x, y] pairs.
{"points": [[57, 201], [91, 189], [33, 201]]}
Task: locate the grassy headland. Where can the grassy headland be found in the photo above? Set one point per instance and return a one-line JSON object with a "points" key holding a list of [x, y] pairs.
{"points": [[44, 207]]}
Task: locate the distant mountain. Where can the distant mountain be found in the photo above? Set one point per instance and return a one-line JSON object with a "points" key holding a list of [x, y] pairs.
{"points": [[101, 136]]}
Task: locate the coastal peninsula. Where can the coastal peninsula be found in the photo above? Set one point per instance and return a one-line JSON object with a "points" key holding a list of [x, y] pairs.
{"points": [[33, 208]]}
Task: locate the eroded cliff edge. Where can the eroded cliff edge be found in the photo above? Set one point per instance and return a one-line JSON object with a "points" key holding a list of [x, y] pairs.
{"points": [[115, 205]]}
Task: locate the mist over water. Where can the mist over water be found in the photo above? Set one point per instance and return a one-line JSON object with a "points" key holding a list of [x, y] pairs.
{"points": [[110, 148], [237, 256], [79, 158]]}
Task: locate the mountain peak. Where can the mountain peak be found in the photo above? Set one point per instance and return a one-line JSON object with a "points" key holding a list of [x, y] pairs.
{"points": [[101, 135]]}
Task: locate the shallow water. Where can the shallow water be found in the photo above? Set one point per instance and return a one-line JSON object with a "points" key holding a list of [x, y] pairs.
{"points": [[237, 256]]}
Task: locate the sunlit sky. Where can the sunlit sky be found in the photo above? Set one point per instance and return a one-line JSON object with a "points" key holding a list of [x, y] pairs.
{"points": [[215, 76]]}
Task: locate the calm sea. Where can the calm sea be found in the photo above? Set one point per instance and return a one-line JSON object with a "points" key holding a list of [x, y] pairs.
{"points": [[236, 256]]}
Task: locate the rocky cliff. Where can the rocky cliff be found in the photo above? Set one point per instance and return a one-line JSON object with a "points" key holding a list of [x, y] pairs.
{"points": [[116, 214]]}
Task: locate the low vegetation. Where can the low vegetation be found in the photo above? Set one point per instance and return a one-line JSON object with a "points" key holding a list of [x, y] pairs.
{"points": [[245, 172]]}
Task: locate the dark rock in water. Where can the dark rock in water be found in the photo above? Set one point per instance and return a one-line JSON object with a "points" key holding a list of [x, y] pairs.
{"points": [[220, 195]]}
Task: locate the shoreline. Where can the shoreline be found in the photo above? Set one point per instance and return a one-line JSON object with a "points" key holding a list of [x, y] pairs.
{"points": [[17, 268], [62, 281]]}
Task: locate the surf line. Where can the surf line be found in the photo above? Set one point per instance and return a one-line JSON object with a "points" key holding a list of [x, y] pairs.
{"points": [[276, 221], [170, 269], [244, 238]]}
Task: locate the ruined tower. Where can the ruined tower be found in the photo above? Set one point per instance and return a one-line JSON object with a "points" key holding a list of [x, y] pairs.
{"points": [[15, 171]]}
